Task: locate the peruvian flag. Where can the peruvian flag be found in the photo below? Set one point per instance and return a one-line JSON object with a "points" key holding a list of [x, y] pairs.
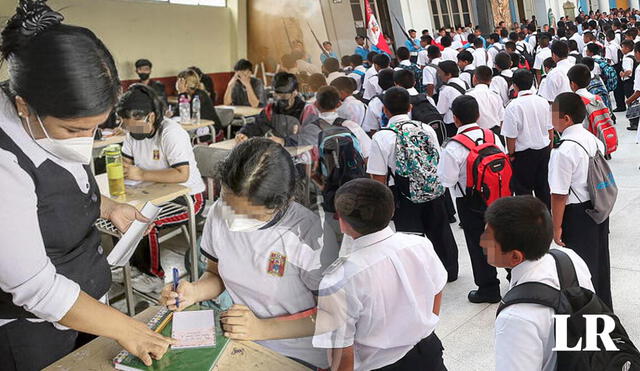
{"points": [[374, 32]]}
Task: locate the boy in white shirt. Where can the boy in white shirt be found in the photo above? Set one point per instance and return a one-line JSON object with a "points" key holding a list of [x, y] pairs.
{"points": [[465, 64], [490, 103], [501, 83], [371, 87], [374, 118], [430, 72], [527, 127], [568, 169], [452, 88], [449, 53], [358, 71], [629, 77], [351, 108], [384, 270], [481, 56], [543, 53], [557, 80], [494, 45]]}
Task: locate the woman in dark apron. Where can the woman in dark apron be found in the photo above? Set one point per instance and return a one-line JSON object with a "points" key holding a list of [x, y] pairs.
{"points": [[63, 84]]}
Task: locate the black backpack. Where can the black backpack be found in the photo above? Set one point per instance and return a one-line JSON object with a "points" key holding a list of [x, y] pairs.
{"points": [[426, 112], [577, 56], [340, 159], [576, 301], [524, 53]]}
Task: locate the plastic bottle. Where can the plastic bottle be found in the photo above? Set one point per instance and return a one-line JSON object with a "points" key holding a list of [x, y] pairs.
{"points": [[185, 109], [196, 108], [115, 169]]}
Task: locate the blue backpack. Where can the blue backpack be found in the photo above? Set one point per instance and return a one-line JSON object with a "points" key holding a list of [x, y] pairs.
{"points": [[608, 73]]}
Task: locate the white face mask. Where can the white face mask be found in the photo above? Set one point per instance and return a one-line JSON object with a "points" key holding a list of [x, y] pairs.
{"points": [[238, 222], [79, 150]]}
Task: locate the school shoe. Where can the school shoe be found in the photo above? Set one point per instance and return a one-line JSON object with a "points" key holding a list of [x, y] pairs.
{"points": [[619, 110], [148, 284], [477, 298], [117, 275]]}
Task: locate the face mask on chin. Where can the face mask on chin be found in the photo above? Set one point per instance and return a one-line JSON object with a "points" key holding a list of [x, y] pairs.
{"points": [[282, 104], [77, 150], [143, 76]]}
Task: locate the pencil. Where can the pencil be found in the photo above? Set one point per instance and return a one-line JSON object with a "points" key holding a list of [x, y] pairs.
{"points": [[164, 323]]}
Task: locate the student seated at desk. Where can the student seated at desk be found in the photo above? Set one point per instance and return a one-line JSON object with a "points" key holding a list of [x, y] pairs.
{"points": [[189, 85], [244, 89], [266, 250], [155, 150]]}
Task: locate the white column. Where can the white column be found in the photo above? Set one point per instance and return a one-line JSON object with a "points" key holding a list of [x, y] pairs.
{"points": [[635, 4], [603, 5]]}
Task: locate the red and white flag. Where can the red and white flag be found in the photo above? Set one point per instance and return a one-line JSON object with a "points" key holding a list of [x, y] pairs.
{"points": [[374, 32]]}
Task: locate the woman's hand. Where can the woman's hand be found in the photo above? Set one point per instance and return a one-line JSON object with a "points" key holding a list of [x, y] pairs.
{"points": [[239, 323], [240, 137], [186, 295], [143, 343], [181, 86], [133, 172], [122, 215], [557, 236]]}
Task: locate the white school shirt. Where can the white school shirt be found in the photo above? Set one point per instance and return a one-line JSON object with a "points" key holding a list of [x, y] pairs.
{"points": [[371, 88], [569, 164], [446, 97], [358, 77], [611, 52], [169, 147], [490, 104], [579, 40], [500, 85], [481, 57], [525, 332], [334, 75], [636, 79], [423, 58], [494, 49], [405, 62], [521, 44], [557, 81], [387, 275], [627, 64], [467, 77], [584, 48], [618, 37], [369, 73], [373, 117], [352, 109], [363, 138], [430, 74], [274, 271], [541, 55], [527, 119], [533, 40], [452, 168], [449, 54]]}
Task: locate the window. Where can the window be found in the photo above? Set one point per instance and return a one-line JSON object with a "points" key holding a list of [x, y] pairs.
{"points": [[221, 3], [450, 13]]}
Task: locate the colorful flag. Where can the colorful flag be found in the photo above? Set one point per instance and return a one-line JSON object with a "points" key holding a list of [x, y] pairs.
{"points": [[374, 31]]}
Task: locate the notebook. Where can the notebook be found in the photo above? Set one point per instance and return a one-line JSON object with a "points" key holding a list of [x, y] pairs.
{"points": [[194, 329], [128, 243], [191, 359]]}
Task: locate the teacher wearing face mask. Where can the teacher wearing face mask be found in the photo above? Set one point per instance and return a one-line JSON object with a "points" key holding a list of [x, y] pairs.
{"points": [[63, 84]]}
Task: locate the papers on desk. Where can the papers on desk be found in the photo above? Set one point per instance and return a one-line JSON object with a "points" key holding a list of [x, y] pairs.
{"points": [[132, 183], [194, 329], [123, 250]]}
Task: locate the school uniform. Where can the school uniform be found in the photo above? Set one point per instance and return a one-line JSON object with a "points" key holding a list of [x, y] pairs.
{"points": [[527, 119], [170, 147], [578, 39], [371, 87], [358, 132], [636, 87], [452, 171], [525, 335], [533, 40], [334, 75], [423, 58], [491, 106], [481, 57], [373, 116], [568, 168], [384, 270], [613, 52], [358, 74], [557, 81], [430, 74], [362, 51], [445, 98], [501, 84], [467, 75], [429, 218], [275, 270], [494, 49], [50, 251], [449, 54], [541, 55], [352, 109]]}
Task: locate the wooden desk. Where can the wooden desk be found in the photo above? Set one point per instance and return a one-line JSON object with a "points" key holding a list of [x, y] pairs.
{"points": [[243, 111], [192, 125], [113, 139], [172, 99], [239, 355], [229, 144]]}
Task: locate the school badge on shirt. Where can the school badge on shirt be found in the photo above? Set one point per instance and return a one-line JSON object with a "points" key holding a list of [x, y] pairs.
{"points": [[277, 264], [156, 154]]}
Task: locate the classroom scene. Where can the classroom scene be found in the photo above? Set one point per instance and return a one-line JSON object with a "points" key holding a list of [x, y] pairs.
{"points": [[327, 185]]}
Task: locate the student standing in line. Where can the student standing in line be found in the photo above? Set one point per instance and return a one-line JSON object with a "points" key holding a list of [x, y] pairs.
{"points": [[449, 53], [53, 271], [423, 56], [428, 218], [574, 55], [331, 69], [358, 71], [614, 53], [384, 270], [371, 86], [542, 53], [481, 55], [452, 88], [568, 168], [361, 48], [529, 133], [495, 46], [465, 64], [631, 77], [489, 102], [430, 72], [517, 236], [413, 45], [374, 118], [406, 64], [267, 251], [351, 108], [452, 172], [244, 89], [143, 70], [501, 83], [557, 80]]}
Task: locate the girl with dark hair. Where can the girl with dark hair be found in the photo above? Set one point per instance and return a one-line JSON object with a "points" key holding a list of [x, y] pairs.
{"points": [[155, 150], [53, 270], [266, 251]]}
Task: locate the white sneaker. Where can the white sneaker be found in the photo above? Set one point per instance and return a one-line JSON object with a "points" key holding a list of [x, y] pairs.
{"points": [[148, 284], [117, 275]]}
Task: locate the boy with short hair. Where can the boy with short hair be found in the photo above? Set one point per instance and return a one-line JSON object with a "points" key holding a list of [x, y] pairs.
{"points": [[371, 86], [480, 54], [631, 76], [374, 118], [351, 108], [490, 103], [501, 83], [542, 53], [430, 72], [358, 71], [557, 80], [448, 54], [465, 63], [452, 88]]}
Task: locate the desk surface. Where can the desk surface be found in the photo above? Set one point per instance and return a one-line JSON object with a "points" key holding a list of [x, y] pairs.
{"points": [[113, 139], [239, 355], [230, 143], [244, 110], [138, 195], [188, 126]]}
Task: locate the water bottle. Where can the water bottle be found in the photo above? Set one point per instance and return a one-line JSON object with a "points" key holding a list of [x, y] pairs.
{"points": [[185, 109], [195, 108], [115, 169]]}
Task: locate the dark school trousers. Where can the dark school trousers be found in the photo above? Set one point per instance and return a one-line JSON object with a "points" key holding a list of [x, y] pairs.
{"points": [[430, 218], [628, 91], [485, 276], [531, 173], [591, 242], [618, 93], [32, 346], [424, 356]]}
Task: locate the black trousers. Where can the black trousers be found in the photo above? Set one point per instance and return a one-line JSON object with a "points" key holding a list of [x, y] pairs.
{"points": [[628, 91], [484, 275], [424, 356], [430, 218], [618, 93], [27, 346], [591, 242], [530, 174]]}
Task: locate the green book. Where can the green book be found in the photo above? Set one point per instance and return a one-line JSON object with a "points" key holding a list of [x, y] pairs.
{"points": [[197, 359]]}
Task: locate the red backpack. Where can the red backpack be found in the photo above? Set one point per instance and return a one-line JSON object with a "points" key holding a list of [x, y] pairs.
{"points": [[599, 123], [488, 168]]}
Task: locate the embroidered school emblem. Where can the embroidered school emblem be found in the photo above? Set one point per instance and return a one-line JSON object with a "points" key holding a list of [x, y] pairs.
{"points": [[156, 154], [277, 264]]}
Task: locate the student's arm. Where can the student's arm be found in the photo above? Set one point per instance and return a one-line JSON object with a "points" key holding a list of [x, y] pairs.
{"points": [[208, 287], [178, 174], [551, 138], [342, 359], [511, 147], [633, 97], [239, 323], [251, 95], [558, 204], [431, 89], [380, 178], [227, 100], [437, 302]]}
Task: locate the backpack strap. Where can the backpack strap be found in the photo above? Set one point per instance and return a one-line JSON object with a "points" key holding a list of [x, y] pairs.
{"points": [[531, 293], [322, 124], [566, 271], [459, 88], [576, 142], [339, 121]]}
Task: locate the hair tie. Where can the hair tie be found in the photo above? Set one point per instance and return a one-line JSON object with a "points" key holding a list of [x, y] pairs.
{"points": [[36, 17]]}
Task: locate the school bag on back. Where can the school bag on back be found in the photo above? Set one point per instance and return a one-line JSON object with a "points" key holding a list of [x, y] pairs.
{"points": [[608, 74], [576, 301], [417, 72], [340, 159], [601, 185], [425, 112], [488, 168], [526, 55], [417, 160], [600, 123]]}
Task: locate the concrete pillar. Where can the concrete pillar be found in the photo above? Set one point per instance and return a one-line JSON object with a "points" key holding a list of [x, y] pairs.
{"points": [[635, 4], [603, 5]]}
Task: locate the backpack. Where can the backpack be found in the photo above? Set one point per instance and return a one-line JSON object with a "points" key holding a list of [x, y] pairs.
{"points": [[488, 168], [459, 88], [576, 301], [577, 56], [601, 185], [527, 56], [600, 123], [340, 158], [413, 68], [439, 81], [417, 160], [596, 87], [425, 112], [608, 73]]}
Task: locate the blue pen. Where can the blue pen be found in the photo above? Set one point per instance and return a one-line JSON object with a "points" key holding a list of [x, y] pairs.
{"points": [[176, 278]]}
